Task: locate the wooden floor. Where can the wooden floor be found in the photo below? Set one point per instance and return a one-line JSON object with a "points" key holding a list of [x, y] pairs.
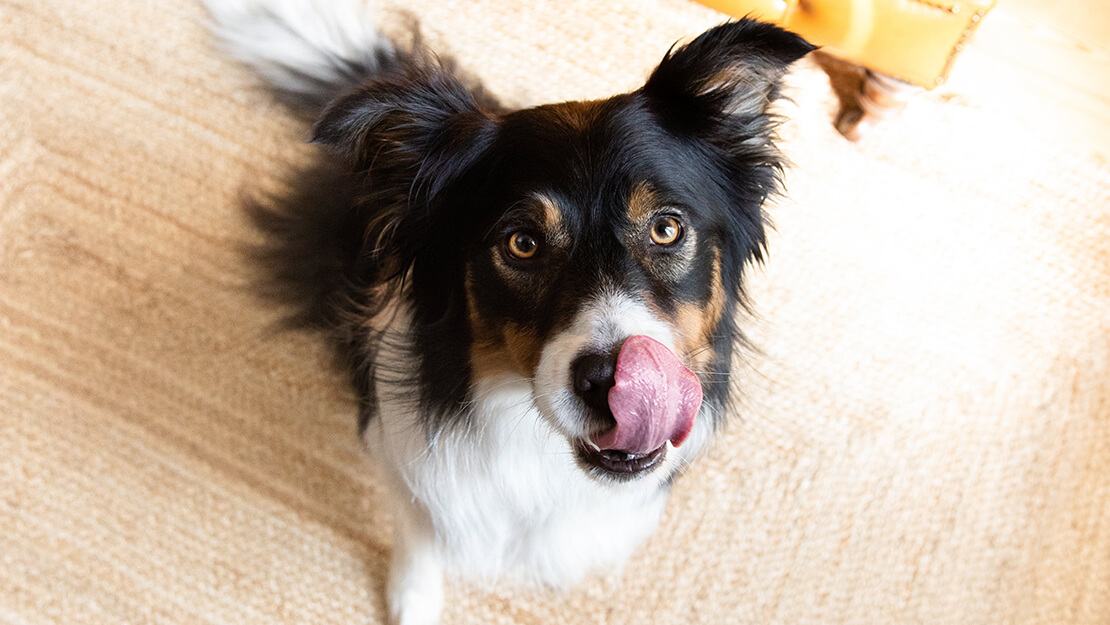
{"points": [[1047, 63]]}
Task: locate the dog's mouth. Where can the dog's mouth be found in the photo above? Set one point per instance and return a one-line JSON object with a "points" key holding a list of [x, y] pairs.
{"points": [[619, 464], [654, 399], [651, 403]]}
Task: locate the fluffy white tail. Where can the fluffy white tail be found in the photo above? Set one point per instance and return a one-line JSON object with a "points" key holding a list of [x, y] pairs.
{"points": [[308, 51]]}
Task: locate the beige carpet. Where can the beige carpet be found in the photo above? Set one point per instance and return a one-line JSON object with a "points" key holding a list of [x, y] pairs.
{"points": [[926, 438]]}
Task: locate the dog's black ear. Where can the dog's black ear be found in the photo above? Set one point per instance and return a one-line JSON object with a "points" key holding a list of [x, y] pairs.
{"points": [[407, 137], [731, 70], [417, 129], [717, 90]]}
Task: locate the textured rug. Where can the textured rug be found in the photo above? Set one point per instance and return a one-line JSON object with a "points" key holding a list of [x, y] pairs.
{"points": [[924, 437]]}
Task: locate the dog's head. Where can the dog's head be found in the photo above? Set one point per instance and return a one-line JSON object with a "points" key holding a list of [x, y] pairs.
{"points": [[593, 248]]}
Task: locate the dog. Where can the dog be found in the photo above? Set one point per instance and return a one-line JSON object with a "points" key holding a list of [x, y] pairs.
{"points": [[538, 308]]}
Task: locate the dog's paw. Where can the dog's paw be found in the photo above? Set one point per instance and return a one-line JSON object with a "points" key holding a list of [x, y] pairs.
{"points": [[415, 597], [411, 607], [415, 589]]}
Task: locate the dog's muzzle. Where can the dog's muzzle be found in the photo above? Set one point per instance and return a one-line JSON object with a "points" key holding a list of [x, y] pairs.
{"points": [[643, 397]]}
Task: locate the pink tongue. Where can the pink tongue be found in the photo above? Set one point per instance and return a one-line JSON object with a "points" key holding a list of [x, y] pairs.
{"points": [[655, 399]]}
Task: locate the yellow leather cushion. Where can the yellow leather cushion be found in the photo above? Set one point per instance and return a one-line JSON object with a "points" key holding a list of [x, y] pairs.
{"points": [[914, 40]]}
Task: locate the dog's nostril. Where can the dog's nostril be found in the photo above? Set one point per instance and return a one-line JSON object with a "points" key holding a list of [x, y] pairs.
{"points": [[593, 377]]}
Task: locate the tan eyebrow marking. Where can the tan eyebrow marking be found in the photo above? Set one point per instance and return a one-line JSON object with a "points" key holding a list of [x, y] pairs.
{"points": [[552, 216], [642, 202], [553, 227], [511, 348]]}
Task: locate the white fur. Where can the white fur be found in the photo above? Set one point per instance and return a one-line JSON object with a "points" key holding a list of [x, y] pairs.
{"points": [[503, 497], [297, 44]]}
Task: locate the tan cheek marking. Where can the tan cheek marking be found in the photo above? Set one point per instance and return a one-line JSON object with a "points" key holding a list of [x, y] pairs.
{"points": [[695, 324], [524, 347], [692, 321], [486, 352], [513, 350]]}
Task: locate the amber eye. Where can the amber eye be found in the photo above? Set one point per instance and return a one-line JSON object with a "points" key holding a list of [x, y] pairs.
{"points": [[522, 245], [666, 231]]}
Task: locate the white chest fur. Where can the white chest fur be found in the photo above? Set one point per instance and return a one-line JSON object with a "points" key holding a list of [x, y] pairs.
{"points": [[504, 496], [500, 496]]}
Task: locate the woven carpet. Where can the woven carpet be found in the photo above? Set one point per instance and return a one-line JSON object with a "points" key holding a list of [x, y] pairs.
{"points": [[923, 437]]}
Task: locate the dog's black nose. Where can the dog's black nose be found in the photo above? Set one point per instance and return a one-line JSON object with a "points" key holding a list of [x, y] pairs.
{"points": [[593, 377]]}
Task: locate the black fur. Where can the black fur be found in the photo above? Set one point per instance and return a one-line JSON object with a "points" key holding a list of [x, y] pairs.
{"points": [[422, 176]]}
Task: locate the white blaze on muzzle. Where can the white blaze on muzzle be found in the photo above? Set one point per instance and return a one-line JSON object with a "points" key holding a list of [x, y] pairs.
{"points": [[656, 398]]}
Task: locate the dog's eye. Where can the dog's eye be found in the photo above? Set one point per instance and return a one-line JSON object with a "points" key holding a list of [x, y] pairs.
{"points": [[522, 245], [666, 231]]}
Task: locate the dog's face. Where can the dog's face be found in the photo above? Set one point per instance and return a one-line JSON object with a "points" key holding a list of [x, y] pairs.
{"points": [[593, 248], [604, 226]]}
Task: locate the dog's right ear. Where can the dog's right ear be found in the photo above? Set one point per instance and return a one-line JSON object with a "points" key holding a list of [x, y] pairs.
{"points": [[413, 131]]}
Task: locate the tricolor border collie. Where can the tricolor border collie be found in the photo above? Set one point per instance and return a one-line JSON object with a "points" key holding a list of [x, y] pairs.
{"points": [[538, 307]]}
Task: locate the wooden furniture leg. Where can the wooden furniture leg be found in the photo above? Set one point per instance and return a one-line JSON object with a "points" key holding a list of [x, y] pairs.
{"points": [[879, 97]]}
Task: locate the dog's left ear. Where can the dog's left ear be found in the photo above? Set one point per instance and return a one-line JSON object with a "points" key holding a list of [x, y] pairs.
{"points": [[407, 138], [732, 70], [418, 126]]}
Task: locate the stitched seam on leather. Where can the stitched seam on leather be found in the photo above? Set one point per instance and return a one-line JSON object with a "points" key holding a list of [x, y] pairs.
{"points": [[976, 19]]}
